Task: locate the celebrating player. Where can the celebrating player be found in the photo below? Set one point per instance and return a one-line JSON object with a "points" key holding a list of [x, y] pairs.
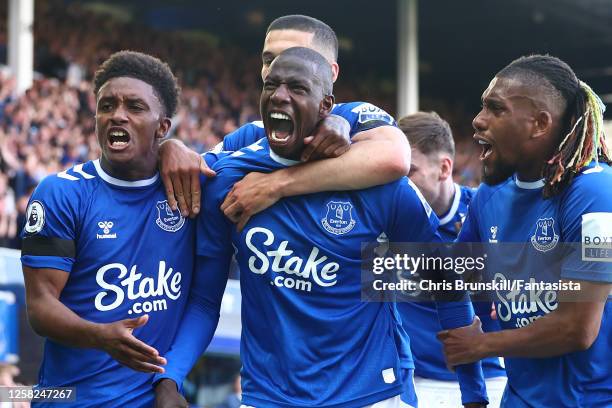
{"points": [[107, 263], [307, 339], [431, 169], [548, 185], [379, 154]]}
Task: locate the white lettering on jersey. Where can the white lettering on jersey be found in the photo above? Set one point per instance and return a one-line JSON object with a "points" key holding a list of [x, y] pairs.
{"points": [[132, 285], [279, 260], [532, 302]]}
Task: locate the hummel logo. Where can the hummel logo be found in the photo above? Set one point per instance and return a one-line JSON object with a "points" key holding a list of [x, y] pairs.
{"points": [[493, 238], [106, 226]]}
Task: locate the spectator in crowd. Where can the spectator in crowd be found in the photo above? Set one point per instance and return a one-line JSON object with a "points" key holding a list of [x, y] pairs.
{"points": [[51, 126]]}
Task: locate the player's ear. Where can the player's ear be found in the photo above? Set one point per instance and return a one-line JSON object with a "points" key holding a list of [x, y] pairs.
{"points": [[163, 128], [446, 167], [335, 71], [542, 124], [326, 105]]}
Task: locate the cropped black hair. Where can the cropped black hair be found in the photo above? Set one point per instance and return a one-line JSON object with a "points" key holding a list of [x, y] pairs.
{"points": [[146, 68]]}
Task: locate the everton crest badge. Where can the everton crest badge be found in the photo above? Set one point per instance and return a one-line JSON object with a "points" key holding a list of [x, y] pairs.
{"points": [[167, 219], [544, 239], [339, 217]]}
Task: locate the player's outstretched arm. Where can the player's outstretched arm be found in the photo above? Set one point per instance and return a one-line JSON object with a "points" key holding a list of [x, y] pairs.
{"points": [[52, 319], [377, 156], [180, 169], [411, 219], [573, 326], [196, 329]]}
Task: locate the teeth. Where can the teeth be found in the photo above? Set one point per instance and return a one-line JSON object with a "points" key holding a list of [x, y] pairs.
{"points": [[118, 133], [482, 142], [119, 144], [273, 136], [278, 115]]}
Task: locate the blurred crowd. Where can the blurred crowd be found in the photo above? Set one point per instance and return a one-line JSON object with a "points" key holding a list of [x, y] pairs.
{"points": [[50, 127]]}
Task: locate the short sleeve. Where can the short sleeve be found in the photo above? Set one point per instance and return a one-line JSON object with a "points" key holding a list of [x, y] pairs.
{"points": [[586, 227], [49, 232], [411, 217], [363, 116]]}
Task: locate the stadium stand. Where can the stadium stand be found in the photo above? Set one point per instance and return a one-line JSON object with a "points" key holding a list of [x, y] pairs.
{"points": [[51, 127]]}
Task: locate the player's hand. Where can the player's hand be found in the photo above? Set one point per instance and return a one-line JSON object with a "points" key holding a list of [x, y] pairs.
{"points": [[493, 311], [330, 139], [118, 340], [461, 344], [167, 395], [180, 169], [254, 193]]}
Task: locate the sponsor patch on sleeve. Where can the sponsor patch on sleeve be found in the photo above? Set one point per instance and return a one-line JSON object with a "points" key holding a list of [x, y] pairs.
{"points": [[35, 217], [368, 113], [596, 237]]}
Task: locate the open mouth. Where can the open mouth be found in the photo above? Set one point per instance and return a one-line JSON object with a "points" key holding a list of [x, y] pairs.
{"points": [[281, 127], [487, 149], [118, 138]]}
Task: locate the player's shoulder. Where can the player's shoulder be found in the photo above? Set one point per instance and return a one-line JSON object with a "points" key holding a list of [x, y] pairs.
{"points": [[362, 112], [594, 179], [467, 193], [245, 135], [243, 159], [485, 192], [403, 194], [73, 181], [589, 190], [256, 127]]}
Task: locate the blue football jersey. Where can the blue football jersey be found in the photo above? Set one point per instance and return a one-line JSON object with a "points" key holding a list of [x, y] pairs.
{"points": [[421, 319], [127, 254], [515, 212], [361, 116], [307, 340]]}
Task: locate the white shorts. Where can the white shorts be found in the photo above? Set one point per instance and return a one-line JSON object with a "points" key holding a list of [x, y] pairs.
{"points": [[393, 402], [446, 394]]}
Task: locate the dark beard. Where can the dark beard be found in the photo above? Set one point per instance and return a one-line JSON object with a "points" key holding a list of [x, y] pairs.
{"points": [[500, 173]]}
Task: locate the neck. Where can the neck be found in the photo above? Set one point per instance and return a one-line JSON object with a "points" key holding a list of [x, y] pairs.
{"points": [[445, 200], [128, 171], [532, 170], [532, 165]]}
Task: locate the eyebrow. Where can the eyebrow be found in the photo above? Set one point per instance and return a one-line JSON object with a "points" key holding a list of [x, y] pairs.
{"points": [[128, 98], [487, 100]]}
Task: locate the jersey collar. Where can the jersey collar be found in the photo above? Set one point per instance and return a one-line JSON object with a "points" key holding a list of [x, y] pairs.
{"points": [[528, 185], [122, 183], [282, 160], [454, 207]]}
